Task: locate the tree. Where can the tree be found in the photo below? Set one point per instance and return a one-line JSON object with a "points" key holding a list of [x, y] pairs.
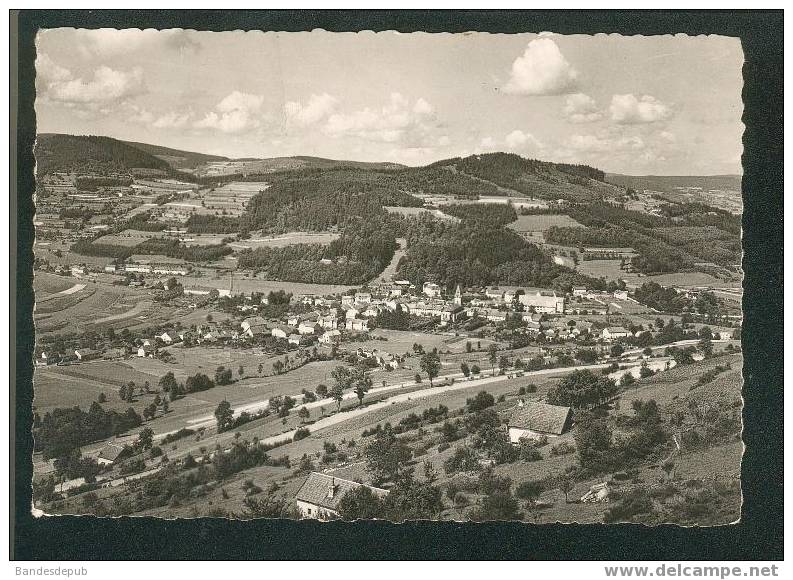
{"points": [[360, 503], [386, 456], [582, 389], [278, 367], [337, 394], [627, 379], [705, 346], [617, 350], [529, 491], [361, 383], [565, 484], [475, 370], [593, 439], [503, 362], [224, 415], [322, 391], [261, 368], [431, 364], [492, 355], [145, 439], [481, 401], [303, 413], [102, 398], [122, 393], [223, 376], [168, 382], [464, 368], [240, 371]]}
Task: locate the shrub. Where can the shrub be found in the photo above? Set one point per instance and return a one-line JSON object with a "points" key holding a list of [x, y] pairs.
{"points": [[301, 433]]}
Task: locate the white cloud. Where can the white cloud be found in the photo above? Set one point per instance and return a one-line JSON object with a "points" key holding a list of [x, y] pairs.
{"points": [[109, 42], [518, 140], [581, 108], [605, 143], [172, 120], [397, 121], [317, 108], [487, 144], [47, 71], [236, 113], [629, 110], [105, 87], [542, 70]]}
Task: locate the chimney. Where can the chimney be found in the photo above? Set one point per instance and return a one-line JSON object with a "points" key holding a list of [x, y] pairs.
{"points": [[332, 488]]}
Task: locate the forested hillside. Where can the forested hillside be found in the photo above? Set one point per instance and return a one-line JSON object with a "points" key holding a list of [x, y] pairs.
{"points": [[174, 157], [684, 235], [83, 153], [534, 178]]}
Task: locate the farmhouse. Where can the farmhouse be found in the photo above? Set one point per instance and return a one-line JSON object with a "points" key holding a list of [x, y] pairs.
{"points": [[293, 339], [282, 331], [309, 327], [614, 332], [431, 289], [363, 297], [579, 290], [110, 453], [146, 350], [319, 496], [536, 419], [328, 322], [254, 325], [330, 336], [359, 324], [84, 354], [494, 292], [543, 302]]}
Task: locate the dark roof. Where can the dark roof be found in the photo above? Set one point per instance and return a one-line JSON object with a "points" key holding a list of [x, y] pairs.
{"points": [[541, 417], [316, 488], [111, 452]]}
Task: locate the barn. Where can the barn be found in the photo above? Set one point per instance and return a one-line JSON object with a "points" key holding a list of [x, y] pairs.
{"points": [[537, 419]]}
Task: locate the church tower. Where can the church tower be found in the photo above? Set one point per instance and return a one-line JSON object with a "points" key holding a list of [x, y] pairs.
{"points": [[458, 296]]}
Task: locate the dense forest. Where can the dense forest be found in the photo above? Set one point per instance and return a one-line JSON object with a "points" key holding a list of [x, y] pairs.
{"points": [[684, 235], [56, 152], [358, 255], [475, 253]]}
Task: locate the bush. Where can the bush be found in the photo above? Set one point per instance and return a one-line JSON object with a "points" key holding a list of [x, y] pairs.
{"points": [[301, 433], [563, 448]]}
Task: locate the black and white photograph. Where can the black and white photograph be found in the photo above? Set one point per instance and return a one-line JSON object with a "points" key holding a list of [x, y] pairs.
{"points": [[343, 276]]}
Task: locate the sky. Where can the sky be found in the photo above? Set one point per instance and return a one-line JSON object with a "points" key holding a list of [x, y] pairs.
{"points": [[663, 105]]}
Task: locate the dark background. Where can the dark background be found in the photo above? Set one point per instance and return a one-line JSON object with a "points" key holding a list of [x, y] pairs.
{"points": [[757, 537]]}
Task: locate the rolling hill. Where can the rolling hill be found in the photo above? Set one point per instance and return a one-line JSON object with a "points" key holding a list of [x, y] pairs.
{"points": [[177, 159], [56, 152]]}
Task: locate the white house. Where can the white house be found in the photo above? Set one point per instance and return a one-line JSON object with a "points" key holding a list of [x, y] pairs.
{"points": [[84, 354], [543, 302], [494, 292], [579, 290], [359, 324], [146, 350], [431, 289], [363, 297], [614, 332], [319, 496], [166, 338], [308, 327], [293, 339], [621, 294], [330, 336], [282, 331], [328, 321]]}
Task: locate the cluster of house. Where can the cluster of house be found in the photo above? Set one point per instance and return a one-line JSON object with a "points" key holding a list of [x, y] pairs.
{"points": [[173, 269], [320, 495]]}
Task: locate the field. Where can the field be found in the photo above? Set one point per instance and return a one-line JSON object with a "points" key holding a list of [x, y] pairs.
{"points": [[248, 285], [287, 239], [540, 223], [128, 238]]}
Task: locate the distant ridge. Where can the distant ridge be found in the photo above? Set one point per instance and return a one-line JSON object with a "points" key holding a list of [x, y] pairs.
{"points": [[176, 158]]}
